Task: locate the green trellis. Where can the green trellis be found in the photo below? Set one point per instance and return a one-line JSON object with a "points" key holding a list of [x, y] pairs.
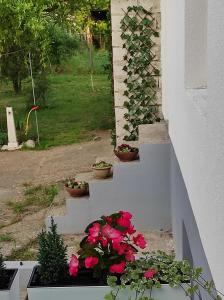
{"points": [[142, 82]]}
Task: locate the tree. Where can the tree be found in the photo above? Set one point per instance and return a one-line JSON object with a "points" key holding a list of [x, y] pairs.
{"points": [[52, 257], [23, 25]]}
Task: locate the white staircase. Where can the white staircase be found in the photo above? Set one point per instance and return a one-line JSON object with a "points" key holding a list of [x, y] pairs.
{"points": [[141, 187]]}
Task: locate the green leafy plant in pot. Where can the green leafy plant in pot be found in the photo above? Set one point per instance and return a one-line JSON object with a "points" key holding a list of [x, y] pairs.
{"points": [[144, 277], [102, 169], [76, 188], [126, 153]]}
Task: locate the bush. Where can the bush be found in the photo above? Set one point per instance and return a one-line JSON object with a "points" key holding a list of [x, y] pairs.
{"points": [[52, 257], [42, 85]]}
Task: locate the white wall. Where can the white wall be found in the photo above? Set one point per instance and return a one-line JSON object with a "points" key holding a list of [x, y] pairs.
{"points": [[196, 123]]}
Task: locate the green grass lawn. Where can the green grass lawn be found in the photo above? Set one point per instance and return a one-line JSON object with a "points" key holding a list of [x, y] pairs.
{"points": [[75, 110]]}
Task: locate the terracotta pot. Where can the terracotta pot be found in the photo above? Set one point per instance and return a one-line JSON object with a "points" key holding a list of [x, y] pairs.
{"points": [[76, 192], [101, 173], [126, 156]]}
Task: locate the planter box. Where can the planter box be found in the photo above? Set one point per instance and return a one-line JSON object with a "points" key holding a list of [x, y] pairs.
{"points": [[13, 292], [96, 293]]}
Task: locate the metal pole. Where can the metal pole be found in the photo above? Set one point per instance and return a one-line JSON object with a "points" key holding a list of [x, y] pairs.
{"points": [[34, 97]]}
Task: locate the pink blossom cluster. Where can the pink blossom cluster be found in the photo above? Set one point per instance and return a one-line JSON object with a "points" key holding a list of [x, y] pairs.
{"points": [[110, 243]]}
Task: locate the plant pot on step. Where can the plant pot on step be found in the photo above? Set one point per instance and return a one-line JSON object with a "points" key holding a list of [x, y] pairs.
{"points": [[9, 285], [102, 170], [126, 153], [77, 188]]}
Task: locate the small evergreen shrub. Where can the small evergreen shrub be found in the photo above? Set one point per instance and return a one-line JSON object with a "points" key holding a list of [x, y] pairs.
{"points": [[52, 257]]}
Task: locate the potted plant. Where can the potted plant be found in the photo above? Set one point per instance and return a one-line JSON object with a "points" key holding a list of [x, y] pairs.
{"points": [[106, 266], [76, 188], [126, 153], [9, 282], [158, 276], [109, 244], [102, 169]]}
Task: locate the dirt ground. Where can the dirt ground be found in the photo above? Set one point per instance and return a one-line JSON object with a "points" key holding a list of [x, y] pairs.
{"points": [[18, 234], [40, 167]]}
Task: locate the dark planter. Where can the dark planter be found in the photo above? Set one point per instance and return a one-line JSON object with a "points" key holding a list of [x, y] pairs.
{"points": [[126, 156], [86, 287], [9, 285], [76, 192]]}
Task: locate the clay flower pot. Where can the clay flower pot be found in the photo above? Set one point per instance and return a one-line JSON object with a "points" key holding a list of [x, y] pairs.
{"points": [[77, 188], [126, 156], [76, 192], [126, 153], [101, 170]]}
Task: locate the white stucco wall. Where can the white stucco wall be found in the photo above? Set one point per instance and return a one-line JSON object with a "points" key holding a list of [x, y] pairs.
{"points": [[196, 122]]}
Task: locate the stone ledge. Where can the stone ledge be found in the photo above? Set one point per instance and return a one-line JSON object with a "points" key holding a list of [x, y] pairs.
{"points": [[154, 134]]}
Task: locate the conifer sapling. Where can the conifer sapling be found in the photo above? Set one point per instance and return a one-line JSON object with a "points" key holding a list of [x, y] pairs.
{"points": [[52, 257]]}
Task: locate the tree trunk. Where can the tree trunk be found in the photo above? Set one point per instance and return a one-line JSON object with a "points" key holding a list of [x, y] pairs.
{"points": [[17, 85]]}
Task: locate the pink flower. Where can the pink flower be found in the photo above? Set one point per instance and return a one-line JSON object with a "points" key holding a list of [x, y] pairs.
{"points": [[109, 220], [123, 222], [129, 255], [91, 240], [91, 261], [103, 240], [131, 230], [73, 266], [125, 214], [150, 274], [139, 241], [94, 231], [118, 268], [120, 248], [112, 234]]}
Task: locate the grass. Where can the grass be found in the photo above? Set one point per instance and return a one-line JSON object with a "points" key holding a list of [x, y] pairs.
{"points": [[6, 237], [74, 110], [27, 252], [37, 197]]}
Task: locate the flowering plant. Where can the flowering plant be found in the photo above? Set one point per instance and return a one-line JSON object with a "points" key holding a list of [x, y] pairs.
{"points": [[151, 270], [102, 164], [74, 184], [125, 148], [110, 243]]}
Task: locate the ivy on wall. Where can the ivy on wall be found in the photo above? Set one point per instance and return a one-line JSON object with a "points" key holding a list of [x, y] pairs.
{"points": [[138, 34]]}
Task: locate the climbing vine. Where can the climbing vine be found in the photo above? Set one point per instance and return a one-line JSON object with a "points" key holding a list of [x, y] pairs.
{"points": [[138, 34]]}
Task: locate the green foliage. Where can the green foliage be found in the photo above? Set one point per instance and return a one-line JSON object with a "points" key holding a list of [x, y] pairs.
{"points": [[74, 112], [42, 86], [138, 31], [35, 197], [24, 28], [166, 270], [62, 44], [52, 257]]}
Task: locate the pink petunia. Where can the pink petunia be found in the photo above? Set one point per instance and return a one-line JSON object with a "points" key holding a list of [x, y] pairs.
{"points": [[140, 241], [73, 266], [118, 268], [120, 248], [91, 261]]}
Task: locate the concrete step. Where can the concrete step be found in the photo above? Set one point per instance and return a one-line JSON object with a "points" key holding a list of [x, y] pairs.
{"points": [[154, 133]]}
